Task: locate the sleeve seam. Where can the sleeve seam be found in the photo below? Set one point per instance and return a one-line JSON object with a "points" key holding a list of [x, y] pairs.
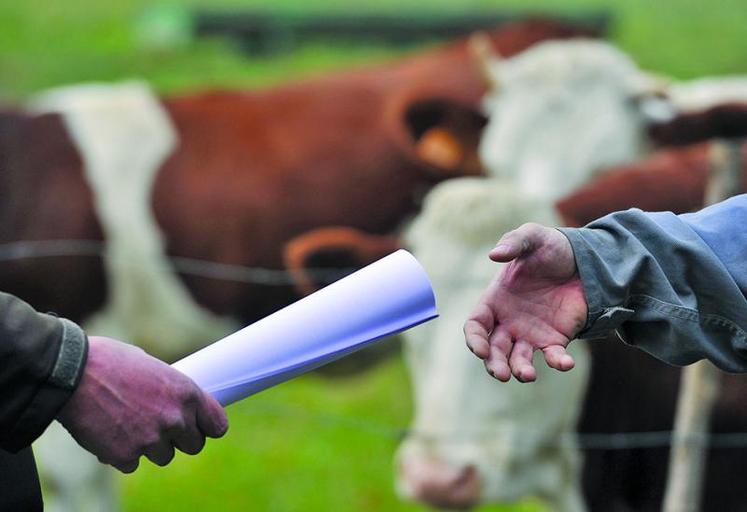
{"points": [[685, 313]]}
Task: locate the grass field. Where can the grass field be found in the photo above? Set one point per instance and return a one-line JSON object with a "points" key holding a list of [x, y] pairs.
{"points": [[314, 444]]}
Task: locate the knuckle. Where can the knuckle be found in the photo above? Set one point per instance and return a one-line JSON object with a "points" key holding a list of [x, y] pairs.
{"points": [[466, 327], [129, 466], [164, 459], [118, 461], [194, 445], [149, 445], [187, 393], [173, 421], [127, 453]]}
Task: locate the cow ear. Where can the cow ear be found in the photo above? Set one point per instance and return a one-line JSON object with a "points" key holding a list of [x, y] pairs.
{"points": [[318, 257], [443, 135], [651, 96]]}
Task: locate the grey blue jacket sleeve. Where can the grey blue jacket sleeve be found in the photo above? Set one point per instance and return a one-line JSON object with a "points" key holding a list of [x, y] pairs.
{"points": [[42, 358], [672, 285]]}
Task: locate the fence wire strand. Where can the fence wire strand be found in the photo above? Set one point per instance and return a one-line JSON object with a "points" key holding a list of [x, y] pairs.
{"points": [[23, 250], [584, 441]]}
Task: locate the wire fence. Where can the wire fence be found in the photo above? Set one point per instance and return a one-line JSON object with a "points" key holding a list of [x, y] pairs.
{"points": [[497, 435], [22, 250]]}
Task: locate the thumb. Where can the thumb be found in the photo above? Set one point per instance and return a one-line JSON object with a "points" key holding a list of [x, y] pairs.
{"points": [[211, 417], [514, 244]]}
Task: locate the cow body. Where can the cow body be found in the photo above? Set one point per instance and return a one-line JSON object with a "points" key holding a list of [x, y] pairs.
{"points": [[621, 399], [471, 440], [249, 172], [673, 179], [541, 141]]}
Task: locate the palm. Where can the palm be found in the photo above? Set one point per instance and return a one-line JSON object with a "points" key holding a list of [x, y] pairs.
{"points": [[536, 302]]}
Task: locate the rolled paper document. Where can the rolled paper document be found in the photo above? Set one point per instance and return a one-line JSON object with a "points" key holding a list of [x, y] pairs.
{"points": [[388, 296]]}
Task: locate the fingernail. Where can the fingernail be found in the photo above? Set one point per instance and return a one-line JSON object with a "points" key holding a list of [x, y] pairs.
{"points": [[502, 247]]}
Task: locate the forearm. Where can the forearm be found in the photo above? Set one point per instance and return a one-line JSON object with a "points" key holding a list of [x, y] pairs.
{"points": [[41, 361], [671, 285]]}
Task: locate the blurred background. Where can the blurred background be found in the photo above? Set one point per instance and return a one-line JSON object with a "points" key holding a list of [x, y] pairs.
{"points": [[314, 444]]}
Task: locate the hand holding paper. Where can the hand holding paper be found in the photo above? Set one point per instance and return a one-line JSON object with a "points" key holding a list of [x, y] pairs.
{"points": [[388, 296]]}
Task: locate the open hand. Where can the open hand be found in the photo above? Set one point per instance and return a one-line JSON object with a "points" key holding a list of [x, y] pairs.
{"points": [[536, 302]]}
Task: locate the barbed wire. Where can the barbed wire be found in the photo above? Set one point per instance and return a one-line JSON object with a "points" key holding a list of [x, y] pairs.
{"points": [[20, 250], [495, 436]]}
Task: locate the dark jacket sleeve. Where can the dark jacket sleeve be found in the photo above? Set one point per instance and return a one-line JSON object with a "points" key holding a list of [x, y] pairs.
{"points": [[42, 358], [674, 286]]}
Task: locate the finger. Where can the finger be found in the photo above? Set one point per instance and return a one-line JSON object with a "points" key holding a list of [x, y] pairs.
{"points": [[477, 329], [500, 348], [557, 357], [514, 243], [520, 361], [160, 453], [189, 440], [127, 467], [211, 418]]}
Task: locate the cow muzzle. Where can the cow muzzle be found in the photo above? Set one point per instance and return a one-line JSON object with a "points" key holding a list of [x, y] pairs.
{"points": [[438, 484]]}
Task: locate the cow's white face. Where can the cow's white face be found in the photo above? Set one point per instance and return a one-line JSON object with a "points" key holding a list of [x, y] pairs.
{"points": [[473, 438], [562, 110]]}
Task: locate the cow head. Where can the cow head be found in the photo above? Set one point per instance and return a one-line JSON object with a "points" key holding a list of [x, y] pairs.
{"points": [[561, 110], [436, 132], [474, 439]]}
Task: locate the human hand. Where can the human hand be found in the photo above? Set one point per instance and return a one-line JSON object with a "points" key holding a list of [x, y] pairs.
{"points": [[536, 302], [130, 404]]}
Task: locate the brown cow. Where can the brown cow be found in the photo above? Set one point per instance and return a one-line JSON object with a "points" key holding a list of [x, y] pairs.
{"points": [[253, 170], [634, 479], [669, 180], [250, 171], [726, 120]]}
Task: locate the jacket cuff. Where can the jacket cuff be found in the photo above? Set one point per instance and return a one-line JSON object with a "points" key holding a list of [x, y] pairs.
{"points": [[54, 393], [601, 319]]}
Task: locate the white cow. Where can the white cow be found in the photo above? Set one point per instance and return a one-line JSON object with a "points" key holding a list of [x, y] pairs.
{"points": [[472, 438], [563, 109], [559, 111]]}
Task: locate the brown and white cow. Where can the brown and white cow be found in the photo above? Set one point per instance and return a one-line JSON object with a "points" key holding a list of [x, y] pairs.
{"points": [[561, 112], [554, 111], [634, 479], [672, 179], [250, 171], [229, 177]]}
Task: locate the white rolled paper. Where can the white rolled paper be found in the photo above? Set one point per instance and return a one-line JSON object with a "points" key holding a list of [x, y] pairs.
{"points": [[388, 296]]}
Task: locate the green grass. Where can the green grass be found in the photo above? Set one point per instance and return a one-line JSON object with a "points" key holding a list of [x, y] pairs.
{"points": [[45, 42], [312, 444]]}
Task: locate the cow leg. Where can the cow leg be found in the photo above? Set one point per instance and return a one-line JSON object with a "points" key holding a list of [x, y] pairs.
{"points": [[568, 498], [563, 493], [73, 480]]}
